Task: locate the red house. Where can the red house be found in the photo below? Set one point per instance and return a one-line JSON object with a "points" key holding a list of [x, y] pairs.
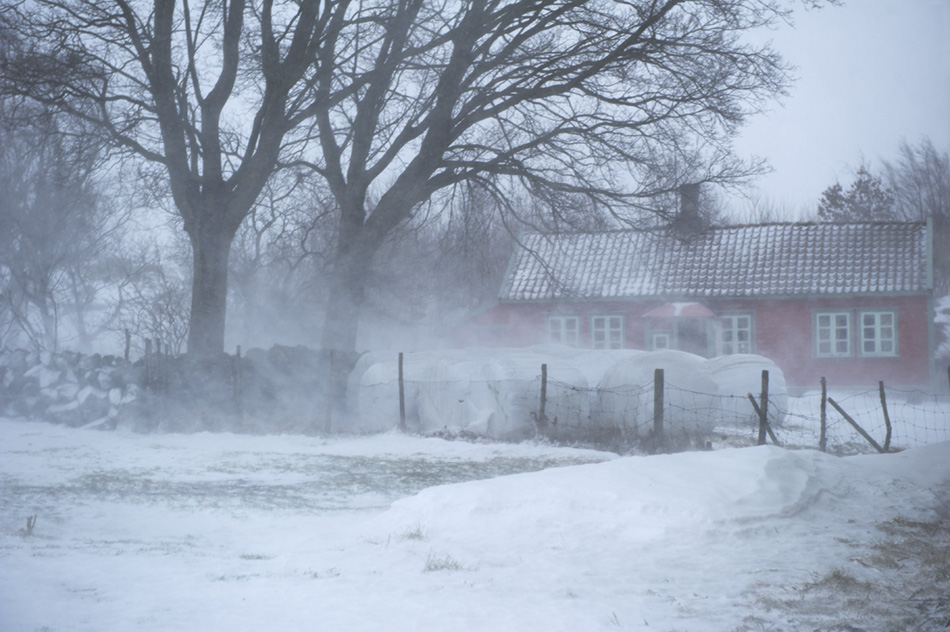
{"points": [[853, 302]]}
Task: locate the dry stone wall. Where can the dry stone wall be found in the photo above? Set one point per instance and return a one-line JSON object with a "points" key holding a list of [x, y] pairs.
{"points": [[282, 389]]}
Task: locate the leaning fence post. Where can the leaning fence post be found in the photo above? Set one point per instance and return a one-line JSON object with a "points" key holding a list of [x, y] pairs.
{"points": [[658, 379], [768, 426], [823, 437], [402, 397], [764, 406], [887, 418], [856, 426]]}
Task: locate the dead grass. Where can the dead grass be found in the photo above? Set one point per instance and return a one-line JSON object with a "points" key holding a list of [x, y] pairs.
{"points": [[441, 563], [415, 532], [900, 582]]}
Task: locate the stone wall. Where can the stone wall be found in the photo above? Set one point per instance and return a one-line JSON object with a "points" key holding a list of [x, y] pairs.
{"points": [[282, 389]]}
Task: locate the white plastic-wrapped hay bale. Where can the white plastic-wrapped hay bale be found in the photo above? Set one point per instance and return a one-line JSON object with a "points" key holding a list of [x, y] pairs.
{"points": [[740, 374], [517, 385], [592, 364], [487, 392], [454, 395], [374, 384], [625, 395], [378, 398]]}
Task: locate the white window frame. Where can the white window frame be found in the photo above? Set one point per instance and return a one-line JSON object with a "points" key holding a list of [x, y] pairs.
{"points": [[665, 337], [606, 331], [559, 331], [729, 324], [881, 330], [827, 333]]}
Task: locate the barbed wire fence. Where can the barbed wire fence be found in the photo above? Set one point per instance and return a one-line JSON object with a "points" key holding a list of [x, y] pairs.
{"points": [[662, 415]]}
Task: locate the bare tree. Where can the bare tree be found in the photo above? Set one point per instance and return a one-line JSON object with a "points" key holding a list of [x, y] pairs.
{"points": [[920, 181], [614, 102], [278, 259], [204, 91], [438, 268], [56, 227], [152, 303]]}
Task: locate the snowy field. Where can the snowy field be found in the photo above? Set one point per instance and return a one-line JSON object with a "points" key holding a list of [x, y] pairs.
{"points": [[221, 532]]}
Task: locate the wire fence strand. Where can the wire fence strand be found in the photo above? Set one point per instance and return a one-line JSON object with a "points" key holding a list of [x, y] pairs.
{"points": [[510, 409]]}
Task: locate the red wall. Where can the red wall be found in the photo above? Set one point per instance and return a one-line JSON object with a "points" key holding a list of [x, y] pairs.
{"points": [[783, 332]]}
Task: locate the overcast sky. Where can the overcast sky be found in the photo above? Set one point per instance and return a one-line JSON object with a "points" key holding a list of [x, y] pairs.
{"points": [[870, 73]]}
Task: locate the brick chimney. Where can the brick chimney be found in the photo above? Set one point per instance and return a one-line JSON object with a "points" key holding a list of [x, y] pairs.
{"points": [[688, 221]]}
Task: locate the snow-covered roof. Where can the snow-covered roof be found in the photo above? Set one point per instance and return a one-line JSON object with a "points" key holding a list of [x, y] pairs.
{"points": [[781, 259]]}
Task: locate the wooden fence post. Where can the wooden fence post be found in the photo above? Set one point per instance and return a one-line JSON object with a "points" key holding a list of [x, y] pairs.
{"points": [[823, 437], [331, 379], [238, 385], [402, 397], [764, 406], [658, 438], [542, 406], [768, 426], [159, 373], [148, 364], [857, 427], [887, 418], [128, 344]]}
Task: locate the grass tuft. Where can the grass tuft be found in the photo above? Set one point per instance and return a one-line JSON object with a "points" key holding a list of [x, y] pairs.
{"points": [[415, 532], [441, 563]]}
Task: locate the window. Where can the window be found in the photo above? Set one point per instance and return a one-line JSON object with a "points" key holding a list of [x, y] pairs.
{"points": [[606, 332], [878, 333], [661, 341], [736, 333], [563, 330], [833, 334]]}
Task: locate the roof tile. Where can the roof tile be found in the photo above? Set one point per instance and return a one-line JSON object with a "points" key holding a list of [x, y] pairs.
{"points": [[753, 260]]}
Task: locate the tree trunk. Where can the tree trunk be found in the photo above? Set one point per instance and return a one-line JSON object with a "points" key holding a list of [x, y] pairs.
{"points": [[345, 300], [341, 319], [211, 246]]}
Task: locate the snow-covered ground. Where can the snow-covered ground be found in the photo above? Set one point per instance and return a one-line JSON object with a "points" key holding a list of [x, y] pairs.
{"points": [[390, 532]]}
